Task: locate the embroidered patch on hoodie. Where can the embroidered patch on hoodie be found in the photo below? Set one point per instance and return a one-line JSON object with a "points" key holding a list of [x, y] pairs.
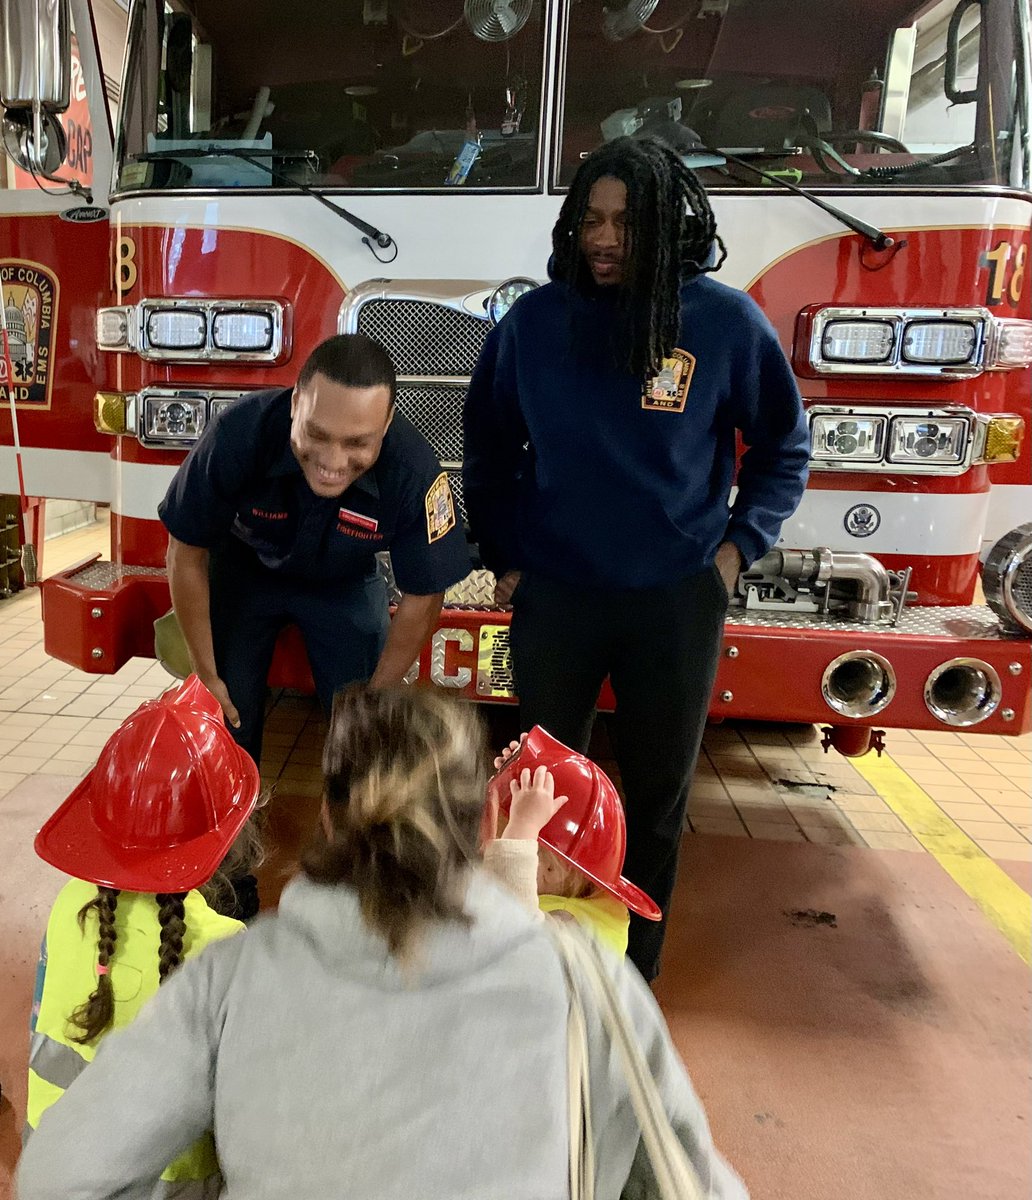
{"points": [[668, 391]]}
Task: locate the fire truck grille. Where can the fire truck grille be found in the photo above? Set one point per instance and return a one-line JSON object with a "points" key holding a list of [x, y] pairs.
{"points": [[424, 338], [455, 481], [436, 412], [1021, 587]]}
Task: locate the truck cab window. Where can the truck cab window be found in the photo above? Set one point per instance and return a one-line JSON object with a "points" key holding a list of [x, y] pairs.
{"points": [[813, 90], [331, 93]]}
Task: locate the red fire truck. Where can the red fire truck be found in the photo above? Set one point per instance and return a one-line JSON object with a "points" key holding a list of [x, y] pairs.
{"points": [[278, 173]]}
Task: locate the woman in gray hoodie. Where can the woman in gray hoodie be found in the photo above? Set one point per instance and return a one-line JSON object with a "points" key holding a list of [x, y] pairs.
{"points": [[396, 1031]]}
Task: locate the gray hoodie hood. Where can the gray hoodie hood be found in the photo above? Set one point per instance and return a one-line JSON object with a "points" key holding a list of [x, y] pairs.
{"points": [[328, 919]]}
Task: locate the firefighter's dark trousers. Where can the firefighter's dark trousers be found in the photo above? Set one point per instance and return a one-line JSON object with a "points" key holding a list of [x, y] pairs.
{"points": [[343, 624], [659, 647]]}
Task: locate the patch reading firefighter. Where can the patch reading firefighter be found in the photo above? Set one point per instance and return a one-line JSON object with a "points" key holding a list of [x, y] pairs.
{"points": [[668, 391], [440, 509], [29, 295], [358, 525]]}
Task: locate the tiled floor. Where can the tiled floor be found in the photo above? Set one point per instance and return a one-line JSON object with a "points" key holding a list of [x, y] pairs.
{"points": [[752, 781]]}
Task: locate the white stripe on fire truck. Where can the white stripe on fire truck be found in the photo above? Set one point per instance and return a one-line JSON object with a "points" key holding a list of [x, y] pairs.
{"points": [[1009, 506], [919, 523], [143, 488], [75, 474]]}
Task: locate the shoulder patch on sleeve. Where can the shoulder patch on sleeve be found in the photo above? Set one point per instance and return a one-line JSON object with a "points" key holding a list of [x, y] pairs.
{"points": [[440, 509]]}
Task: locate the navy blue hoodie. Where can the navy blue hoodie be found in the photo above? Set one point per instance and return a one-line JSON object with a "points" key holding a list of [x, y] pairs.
{"points": [[575, 470]]}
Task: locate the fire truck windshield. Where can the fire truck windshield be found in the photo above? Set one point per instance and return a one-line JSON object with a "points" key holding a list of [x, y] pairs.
{"points": [[331, 94], [818, 92], [414, 95]]}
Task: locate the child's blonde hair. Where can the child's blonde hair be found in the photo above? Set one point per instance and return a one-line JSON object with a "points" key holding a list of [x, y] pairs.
{"points": [[570, 883]]}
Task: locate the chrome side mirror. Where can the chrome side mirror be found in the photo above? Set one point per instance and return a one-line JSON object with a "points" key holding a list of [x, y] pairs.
{"points": [[35, 85], [35, 54]]}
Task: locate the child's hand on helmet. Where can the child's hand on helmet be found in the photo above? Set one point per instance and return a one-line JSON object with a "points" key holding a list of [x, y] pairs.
{"points": [[508, 752], [534, 804]]}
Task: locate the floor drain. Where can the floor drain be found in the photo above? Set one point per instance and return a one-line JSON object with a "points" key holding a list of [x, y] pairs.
{"points": [[819, 791]]}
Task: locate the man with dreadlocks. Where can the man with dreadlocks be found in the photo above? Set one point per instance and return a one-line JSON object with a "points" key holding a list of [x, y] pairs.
{"points": [[600, 445]]}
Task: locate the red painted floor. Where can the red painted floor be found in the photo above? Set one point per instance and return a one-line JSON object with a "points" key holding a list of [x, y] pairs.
{"points": [[885, 1056]]}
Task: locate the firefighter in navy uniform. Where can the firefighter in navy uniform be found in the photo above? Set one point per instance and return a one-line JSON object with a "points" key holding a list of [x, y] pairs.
{"points": [[276, 516], [600, 432]]}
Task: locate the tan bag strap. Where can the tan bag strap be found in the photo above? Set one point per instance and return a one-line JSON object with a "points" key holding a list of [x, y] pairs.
{"points": [[675, 1175], [582, 1146]]}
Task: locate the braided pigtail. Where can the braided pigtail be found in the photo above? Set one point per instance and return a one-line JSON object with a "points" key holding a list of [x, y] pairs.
{"points": [[172, 919], [96, 1016]]}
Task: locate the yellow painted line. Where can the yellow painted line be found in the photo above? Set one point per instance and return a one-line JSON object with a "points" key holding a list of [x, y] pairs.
{"points": [[1006, 905]]}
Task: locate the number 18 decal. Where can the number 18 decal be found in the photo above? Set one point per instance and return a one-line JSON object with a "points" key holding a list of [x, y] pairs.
{"points": [[1006, 274]]}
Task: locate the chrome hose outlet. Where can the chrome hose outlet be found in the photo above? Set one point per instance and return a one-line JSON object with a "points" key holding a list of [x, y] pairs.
{"points": [[1007, 579], [858, 684], [821, 581], [963, 692]]}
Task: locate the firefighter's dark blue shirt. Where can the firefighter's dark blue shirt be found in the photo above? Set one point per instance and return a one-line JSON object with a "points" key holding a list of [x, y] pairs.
{"points": [[578, 470], [241, 479]]}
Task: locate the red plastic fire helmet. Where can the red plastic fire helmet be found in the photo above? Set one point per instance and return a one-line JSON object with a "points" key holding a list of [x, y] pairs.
{"points": [[169, 794], [590, 831]]}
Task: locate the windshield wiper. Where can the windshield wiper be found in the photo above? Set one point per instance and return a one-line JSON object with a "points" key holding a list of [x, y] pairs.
{"points": [[214, 150], [877, 237]]}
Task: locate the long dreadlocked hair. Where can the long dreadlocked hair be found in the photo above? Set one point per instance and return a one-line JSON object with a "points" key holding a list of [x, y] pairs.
{"points": [[671, 230]]}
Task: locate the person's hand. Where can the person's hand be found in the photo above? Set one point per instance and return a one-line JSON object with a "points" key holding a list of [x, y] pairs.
{"points": [[221, 693], [534, 804], [508, 752], [505, 587], [728, 562]]}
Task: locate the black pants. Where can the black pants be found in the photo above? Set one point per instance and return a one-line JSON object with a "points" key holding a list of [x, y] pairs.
{"points": [[343, 624], [659, 647]]}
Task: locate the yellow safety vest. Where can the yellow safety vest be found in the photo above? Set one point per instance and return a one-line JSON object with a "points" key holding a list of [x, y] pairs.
{"points": [[70, 979], [604, 916]]}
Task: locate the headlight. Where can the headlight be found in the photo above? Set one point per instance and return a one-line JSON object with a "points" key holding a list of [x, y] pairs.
{"points": [[505, 296], [218, 404], [115, 328], [857, 438], [242, 330], [858, 341], [176, 329], [944, 342], [926, 343], [1010, 344], [923, 440], [183, 330], [173, 420]]}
